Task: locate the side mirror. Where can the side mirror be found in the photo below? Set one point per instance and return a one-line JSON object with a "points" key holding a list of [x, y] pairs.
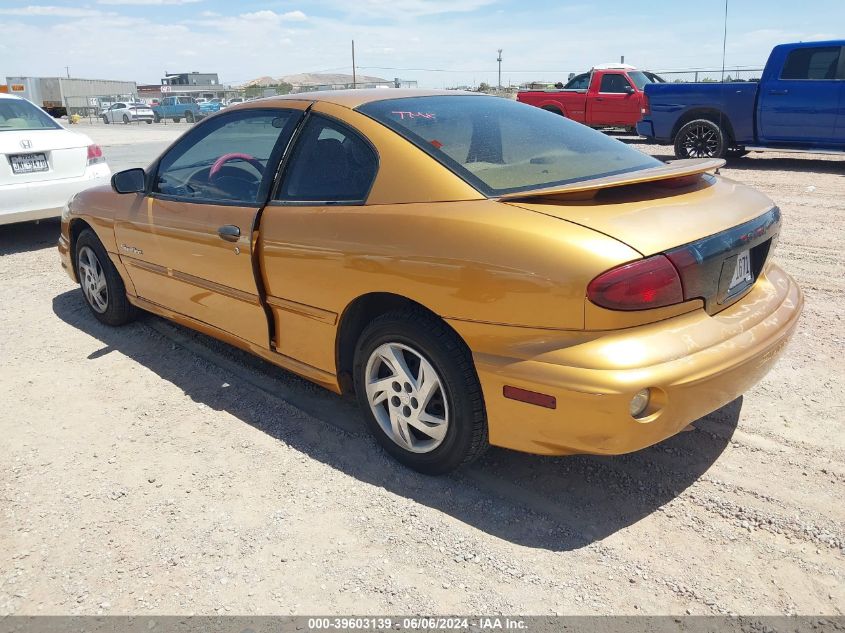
{"points": [[129, 181], [629, 89]]}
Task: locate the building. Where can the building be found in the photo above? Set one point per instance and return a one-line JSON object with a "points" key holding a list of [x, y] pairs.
{"points": [[190, 79], [192, 84]]}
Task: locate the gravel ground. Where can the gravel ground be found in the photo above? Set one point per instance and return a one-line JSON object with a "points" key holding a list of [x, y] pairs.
{"points": [[149, 469]]}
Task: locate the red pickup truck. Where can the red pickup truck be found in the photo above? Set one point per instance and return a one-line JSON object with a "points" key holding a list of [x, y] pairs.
{"points": [[607, 96]]}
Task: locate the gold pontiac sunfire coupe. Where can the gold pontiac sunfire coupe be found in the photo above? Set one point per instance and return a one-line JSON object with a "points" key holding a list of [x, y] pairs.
{"points": [[478, 271]]}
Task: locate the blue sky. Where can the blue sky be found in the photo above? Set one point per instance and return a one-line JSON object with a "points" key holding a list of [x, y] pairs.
{"points": [[437, 42]]}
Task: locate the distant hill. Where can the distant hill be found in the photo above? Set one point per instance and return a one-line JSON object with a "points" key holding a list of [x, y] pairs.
{"points": [[310, 79]]}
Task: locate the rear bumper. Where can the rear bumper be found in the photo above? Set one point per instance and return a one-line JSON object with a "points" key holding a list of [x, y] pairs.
{"points": [[693, 363], [645, 128], [38, 200]]}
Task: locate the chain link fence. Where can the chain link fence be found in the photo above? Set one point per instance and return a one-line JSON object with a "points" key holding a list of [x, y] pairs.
{"points": [[737, 73], [93, 106]]}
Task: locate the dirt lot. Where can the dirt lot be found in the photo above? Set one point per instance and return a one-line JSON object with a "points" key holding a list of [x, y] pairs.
{"points": [[151, 470]]}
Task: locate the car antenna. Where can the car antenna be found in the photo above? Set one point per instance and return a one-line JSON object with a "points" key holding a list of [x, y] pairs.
{"points": [[722, 78]]}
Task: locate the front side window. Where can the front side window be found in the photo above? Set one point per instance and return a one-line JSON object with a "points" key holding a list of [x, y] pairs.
{"points": [[501, 146], [614, 83], [812, 63], [17, 114], [330, 163], [225, 159]]}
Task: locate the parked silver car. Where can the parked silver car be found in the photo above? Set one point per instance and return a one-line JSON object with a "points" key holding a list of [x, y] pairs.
{"points": [[128, 112]]}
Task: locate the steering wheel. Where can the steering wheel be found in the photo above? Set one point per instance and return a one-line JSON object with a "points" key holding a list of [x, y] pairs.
{"points": [[218, 164]]}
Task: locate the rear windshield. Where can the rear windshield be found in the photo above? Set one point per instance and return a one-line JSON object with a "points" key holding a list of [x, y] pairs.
{"points": [[17, 114], [500, 146]]}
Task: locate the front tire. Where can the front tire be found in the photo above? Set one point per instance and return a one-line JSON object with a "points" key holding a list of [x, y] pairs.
{"points": [[701, 138], [157, 118], [416, 382], [101, 284], [189, 117], [125, 120], [105, 119]]}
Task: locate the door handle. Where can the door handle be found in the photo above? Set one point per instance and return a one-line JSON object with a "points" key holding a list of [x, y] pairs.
{"points": [[778, 92], [229, 232], [599, 99]]}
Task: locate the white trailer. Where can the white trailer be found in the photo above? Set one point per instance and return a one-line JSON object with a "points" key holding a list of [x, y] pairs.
{"points": [[61, 95]]}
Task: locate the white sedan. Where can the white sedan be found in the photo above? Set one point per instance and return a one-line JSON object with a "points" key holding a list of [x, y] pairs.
{"points": [[127, 112], [42, 164]]}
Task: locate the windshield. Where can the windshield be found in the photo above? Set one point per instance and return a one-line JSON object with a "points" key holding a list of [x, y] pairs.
{"points": [[500, 146], [17, 114], [639, 78]]}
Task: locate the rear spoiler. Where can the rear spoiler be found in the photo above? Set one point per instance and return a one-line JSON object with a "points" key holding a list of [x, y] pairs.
{"points": [[675, 169]]}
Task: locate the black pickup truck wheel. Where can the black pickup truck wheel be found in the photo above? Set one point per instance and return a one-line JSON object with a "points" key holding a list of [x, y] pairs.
{"points": [[701, 138]]}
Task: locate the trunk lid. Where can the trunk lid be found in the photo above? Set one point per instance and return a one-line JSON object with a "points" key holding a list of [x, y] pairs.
{"points": [[651, 215], [65, 152], [717, 233]]}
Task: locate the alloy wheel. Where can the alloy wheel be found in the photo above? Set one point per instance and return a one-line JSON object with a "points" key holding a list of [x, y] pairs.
{"points": [[701, 141], [93, 280], [407, 397]]}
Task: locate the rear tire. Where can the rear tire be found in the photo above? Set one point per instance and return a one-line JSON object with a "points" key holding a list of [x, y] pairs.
{"points": [[701, 138], [437, 415], [105, 119], [125, 120], [176, 119], [101, 284], [149, 121]]}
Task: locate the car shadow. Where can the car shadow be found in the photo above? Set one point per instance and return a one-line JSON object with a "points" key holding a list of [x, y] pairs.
{"points": [[24, 237], [554, 503]]}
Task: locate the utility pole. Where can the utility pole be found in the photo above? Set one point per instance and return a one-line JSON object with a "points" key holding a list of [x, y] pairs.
{"points": [[354, 81], [622, 59], [67, 69], [499, 59]]}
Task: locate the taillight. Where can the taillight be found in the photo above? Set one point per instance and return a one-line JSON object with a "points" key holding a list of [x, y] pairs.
{"points": [[95, 155], [645, 109], [648, 283]]}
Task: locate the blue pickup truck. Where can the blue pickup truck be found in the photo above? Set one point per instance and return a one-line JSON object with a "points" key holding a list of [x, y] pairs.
{"points": [[177, 108], [798, 104]]}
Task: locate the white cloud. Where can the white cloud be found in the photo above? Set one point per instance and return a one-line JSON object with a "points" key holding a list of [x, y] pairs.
{"points": [[294, 16], [272, 16], [391, 9], [146, 2], [51, 11]]}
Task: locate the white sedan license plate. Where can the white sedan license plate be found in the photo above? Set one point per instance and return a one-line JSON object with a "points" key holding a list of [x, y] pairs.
{"points": [[28, 163], [742, 272]]}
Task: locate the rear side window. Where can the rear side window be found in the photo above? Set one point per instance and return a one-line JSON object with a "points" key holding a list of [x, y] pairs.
{"points": [[614, 83], [812, 63], [330, 163]]}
